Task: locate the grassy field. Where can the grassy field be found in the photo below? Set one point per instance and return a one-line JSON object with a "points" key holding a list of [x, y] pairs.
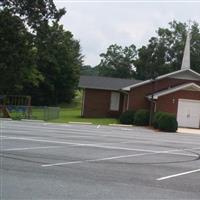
{"points": [[74, 115], [36, 113], [70, 114]]}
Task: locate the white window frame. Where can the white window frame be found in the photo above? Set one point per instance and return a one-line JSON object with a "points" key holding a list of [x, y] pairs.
{"points": [[114, 101]]}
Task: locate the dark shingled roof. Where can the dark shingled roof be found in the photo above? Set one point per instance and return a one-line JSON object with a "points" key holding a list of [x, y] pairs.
{"points": [[105, 83]]}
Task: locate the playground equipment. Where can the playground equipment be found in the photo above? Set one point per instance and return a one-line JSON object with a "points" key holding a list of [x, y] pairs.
{"points": [[15, 104], [19, 107]]}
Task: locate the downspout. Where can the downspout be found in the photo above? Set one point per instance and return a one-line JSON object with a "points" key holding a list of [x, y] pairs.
{"points": [[83, 103], [127, 102], [153, 103], [155, 106]]}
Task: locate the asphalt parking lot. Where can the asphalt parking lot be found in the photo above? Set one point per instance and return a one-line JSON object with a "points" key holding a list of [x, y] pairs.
{"points": [[68, 161]]}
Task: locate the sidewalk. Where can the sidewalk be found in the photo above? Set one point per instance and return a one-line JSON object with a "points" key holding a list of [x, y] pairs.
{"points": [[188, 130]]}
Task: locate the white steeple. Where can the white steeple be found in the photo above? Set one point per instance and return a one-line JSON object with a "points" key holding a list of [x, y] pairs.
{"points": [[186, 55]]}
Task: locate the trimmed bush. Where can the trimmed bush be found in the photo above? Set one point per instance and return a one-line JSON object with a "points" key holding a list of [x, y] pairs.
{"points": [[127, 117], [141, 118], [156, 119], [167, 122]]}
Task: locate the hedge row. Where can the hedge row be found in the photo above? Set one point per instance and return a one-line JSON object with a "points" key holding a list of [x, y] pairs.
{"points": [[161, 120], [165, 122], [127, 117], [139, 118]]}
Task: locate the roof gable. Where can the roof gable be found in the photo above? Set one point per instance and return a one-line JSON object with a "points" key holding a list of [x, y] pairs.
{"points": [[105, 83], [186, 74], [188, 86]]}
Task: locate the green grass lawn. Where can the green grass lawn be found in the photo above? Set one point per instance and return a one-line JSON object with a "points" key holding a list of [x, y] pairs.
{"points": [[74, 115], [68, 113]]}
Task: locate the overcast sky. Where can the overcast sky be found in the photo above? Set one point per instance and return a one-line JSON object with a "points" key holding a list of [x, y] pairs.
{"points": [[99, 24]]}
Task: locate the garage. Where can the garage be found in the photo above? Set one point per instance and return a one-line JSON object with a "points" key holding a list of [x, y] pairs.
{"points": [[188, 114]]}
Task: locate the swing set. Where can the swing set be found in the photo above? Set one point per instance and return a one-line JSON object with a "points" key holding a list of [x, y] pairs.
{"points": [[15, 104]]}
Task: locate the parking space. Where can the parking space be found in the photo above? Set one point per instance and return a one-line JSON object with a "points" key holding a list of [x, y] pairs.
{"points": [[70, 161]]}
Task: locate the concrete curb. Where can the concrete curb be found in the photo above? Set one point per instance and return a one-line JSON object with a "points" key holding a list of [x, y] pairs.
{"points": [[84, 123], [120, 125], [188, 131], [5, 119], [31, 120]]}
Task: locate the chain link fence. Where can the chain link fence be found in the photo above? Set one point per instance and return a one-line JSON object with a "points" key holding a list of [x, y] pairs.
{"points": [[33, 112]]}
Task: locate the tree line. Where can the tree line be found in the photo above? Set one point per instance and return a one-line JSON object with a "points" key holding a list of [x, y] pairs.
{"points": [[162, 54], [38, 57]]}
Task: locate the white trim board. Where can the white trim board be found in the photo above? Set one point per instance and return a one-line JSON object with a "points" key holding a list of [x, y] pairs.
{"points": [[128, 88], [175, 89]]}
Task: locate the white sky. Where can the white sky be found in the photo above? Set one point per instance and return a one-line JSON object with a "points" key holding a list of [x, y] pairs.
{"points": [[99, 24]]}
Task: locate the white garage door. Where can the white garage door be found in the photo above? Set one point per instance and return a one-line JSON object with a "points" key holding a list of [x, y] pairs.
{"points": [[188, 113]]}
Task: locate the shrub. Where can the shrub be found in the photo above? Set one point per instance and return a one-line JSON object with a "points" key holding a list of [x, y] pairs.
{"points": [[167, 122], [141, 117], [127, 117], [156, 119]]}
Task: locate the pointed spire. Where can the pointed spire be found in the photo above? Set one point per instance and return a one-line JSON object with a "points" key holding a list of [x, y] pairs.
{"points": [[186, 55]]}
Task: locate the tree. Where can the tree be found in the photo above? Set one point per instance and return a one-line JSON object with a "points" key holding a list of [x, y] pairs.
{"points": [[152, 60], [17, 54], [38, 57], [88, 70], [118, 61], [34, 12], [164, 53], [195, 47], [59, 61]]}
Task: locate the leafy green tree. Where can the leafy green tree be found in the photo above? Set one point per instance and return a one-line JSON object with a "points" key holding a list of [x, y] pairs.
{"points": [[151, 60], [17, 55], [88, 70], [34, 12], [59, 61], [118, 61], [164, 53], [37, 56], [195, 47]]}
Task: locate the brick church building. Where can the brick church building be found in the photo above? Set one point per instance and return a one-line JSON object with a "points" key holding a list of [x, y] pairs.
{"points": [[177, 93]]}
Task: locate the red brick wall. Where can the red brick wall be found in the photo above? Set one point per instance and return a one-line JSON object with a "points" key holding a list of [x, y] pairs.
{"points": [[169, 103], [137, 96], [97, 104]]}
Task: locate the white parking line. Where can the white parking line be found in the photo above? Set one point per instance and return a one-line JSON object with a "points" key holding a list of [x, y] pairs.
{"points": [[47, 141], [117, 157], [57, 164], [176, 175], [30, 148], [96, 160], [174, 151], [79, 144], [96, 133]]}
